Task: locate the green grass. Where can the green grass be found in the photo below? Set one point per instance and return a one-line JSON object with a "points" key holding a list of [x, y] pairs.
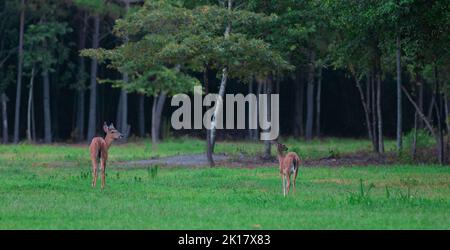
{"points": [[143, 149], [36, 196]]}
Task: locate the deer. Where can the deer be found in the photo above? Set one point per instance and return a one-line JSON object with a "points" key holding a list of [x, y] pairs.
{"points": [[289, 164], [99, 149]]}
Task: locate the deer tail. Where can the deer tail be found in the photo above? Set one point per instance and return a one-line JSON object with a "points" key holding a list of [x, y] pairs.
{"points": [[297, 162]]}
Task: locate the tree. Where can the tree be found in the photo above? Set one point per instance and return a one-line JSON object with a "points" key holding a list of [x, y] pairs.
{"points": [[232, 50], [5, 80], [92, 124], [7, 50], [301, 34], [122, 110], [97, 9], [19, 73], [80, 85], [147, 74], [318, 100], [171, 37], [426, 60], [364, 30], [41, 45]]}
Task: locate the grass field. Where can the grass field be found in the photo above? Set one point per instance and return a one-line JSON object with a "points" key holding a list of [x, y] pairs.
{"points": [[38, 192]]}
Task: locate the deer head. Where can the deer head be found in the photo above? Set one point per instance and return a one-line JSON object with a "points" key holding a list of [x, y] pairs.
{"points": [[280, 147], [111, 131]]}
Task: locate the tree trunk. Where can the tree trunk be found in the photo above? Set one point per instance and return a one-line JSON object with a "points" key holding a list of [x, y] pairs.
{"points": [[141, 114], [30, 100], [277, 84], [310, 98], [46, 103], [379, 117], [33, 120], [364, 104], [446, 112], [119, 112], [19, 74], [421, 115], [374, 113], [414, 143], [80, 115], [209, 149], [4, 100], [218, 107], [298, 108], [93, 83], [399, 96], [439, 108], [420, 102], [319, 93], [440, 134], [54, 92], [369, 111], [431, 106], [158, 105], [122, 108], [153, 132], [81, 82], [267, 144], [223, 84]]}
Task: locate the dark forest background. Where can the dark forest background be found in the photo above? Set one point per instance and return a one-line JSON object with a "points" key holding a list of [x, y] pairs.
{"points": [[380, 67]]}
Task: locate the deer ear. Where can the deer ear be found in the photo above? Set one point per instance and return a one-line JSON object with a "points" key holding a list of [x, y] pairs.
{"points": [[105, 127], [111, 126]]}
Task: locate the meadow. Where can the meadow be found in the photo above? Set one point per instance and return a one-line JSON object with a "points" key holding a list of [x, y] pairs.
{"points": [[40, 190]]}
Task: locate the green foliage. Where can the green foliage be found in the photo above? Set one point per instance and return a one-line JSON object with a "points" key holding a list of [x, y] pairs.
{"points": [[299, 26], [361, 197], [8, 42], [152, 171], [158, 79], [41, 43], [334, 153], [7, 77], [100, 7], [163, 34], [424, 141]]}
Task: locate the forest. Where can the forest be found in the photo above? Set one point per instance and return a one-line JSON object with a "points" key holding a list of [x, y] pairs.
{"points": [[361, 89], [358, 69]]}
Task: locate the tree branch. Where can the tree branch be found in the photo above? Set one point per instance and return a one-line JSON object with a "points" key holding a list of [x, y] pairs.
{"points": [[7, 56], [427, 123]]}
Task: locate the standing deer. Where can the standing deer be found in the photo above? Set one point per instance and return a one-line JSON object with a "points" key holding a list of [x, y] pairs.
{"points": [[289, 164], [99, 149]]}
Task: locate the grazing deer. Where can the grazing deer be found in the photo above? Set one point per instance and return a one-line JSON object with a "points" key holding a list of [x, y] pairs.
{"points": [[99, 149], [289, 164]]}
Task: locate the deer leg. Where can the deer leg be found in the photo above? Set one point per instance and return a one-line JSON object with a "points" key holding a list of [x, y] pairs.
{"points": [[295, 179], [288, 186], [103, 168], [94, 171], [282, 182]]}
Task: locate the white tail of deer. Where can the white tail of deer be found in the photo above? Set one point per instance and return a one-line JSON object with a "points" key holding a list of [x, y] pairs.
{"points": [[99, 149], [289, 164]]}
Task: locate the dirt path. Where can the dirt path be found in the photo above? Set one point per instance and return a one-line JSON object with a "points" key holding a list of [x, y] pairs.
{"points": [[199, 160]]}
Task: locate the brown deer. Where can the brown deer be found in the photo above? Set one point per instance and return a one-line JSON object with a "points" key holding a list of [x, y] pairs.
{"points": [[289, 164], [99, 149]]}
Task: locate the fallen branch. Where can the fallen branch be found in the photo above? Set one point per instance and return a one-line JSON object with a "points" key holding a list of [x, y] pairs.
{"points": [[425, 120]]}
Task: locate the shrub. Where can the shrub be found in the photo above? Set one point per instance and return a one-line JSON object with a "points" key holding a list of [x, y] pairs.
{"points": [[423, 141]]}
